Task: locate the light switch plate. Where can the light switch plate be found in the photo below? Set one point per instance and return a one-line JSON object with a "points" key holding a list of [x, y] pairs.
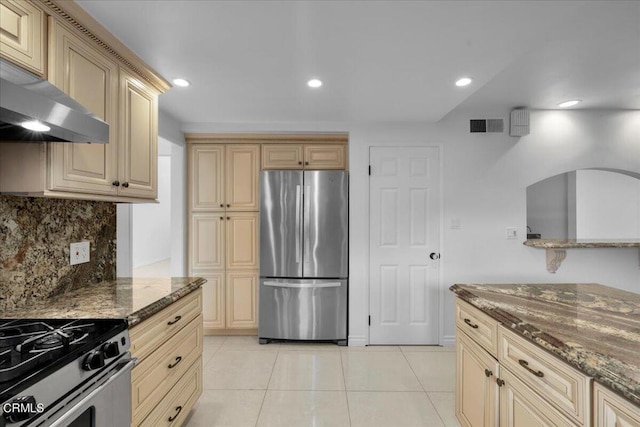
{"points": [[79, 252], [512, 233]]}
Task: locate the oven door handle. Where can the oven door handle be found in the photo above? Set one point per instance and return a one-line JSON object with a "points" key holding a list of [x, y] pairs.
{"points": [[119, 370]]}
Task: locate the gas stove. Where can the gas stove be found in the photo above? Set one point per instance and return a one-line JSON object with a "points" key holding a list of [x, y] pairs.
{"points": [[46, 366]]}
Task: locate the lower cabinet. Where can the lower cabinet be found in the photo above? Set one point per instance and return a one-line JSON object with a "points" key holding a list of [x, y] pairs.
{"points": [[167, 380], [492, 392], [610, 410], [230, 302]]}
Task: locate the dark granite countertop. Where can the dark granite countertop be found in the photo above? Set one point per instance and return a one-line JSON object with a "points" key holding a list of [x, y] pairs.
{"points": [[135, 299], [592, 327]]}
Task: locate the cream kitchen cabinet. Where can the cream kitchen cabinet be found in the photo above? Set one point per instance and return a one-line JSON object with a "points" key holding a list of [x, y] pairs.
{"points": [[518, 385], [304, 156], [22, 35], [168, 373], [610, 410], [224, 232], [230, 302], [224, 177], [112, 84], [224, 249]]}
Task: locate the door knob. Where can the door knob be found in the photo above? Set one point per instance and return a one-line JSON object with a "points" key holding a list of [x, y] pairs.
{"points": [[434, 255]]}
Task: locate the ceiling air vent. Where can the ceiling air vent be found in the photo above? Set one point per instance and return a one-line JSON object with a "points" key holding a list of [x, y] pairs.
{"points": [[486, 125]]}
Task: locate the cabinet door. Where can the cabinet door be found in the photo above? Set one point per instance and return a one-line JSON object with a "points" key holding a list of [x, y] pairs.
{"points": [[206, 248], [242, 168], [138, 147], [22, 35], [91, 79], [281, 156], [242, 240], [206, 177], [242, 296], [611, 410], [323, 156], [476, 387], [521, 406], [213, 298]]}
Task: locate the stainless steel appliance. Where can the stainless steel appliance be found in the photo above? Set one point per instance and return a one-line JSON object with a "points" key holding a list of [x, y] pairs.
{"points": [[60, 373], [26, 98], [304, 246]]}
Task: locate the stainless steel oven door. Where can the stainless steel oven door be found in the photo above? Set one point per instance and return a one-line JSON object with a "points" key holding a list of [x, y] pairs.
{"points": [[106, 403]]}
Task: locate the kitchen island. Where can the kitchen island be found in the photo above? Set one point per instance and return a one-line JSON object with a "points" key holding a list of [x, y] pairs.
{"points": [[590, 327]]}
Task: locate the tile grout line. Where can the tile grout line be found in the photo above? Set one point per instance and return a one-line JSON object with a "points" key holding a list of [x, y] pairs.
{"points": [[412, 371], [267, 389], [344, 380]]}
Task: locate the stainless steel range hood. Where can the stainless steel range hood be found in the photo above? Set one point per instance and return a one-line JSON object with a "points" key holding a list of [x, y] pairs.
{"points": [[25, 97]]}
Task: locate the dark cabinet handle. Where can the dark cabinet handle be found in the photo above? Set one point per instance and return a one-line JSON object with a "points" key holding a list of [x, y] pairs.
{"points": [[300, 163], [116, 183], [125, 185], [228, 205], [488, 373], [178, 409], [468, 322], [171, 322], [173, 365], [228, 217], [221, 218], [306, 163], [221, 205], [499, 382], [525, 365]]}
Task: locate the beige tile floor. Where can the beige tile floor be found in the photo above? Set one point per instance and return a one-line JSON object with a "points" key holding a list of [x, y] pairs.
{"points": [[315, 385]]}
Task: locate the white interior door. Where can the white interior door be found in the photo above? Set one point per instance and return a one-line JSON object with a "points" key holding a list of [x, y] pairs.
{"points": [[404, 211]]}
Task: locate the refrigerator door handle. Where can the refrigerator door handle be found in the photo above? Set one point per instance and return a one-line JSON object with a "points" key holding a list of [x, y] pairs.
{"points": [[298, 233], [302, 285], [307, 222]]}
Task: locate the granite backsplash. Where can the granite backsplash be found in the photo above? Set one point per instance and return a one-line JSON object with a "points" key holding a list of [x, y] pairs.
{"points": [[35, 234]]}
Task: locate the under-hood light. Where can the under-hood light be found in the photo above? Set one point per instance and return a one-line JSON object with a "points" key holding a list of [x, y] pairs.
{"points": [[35, 126]]}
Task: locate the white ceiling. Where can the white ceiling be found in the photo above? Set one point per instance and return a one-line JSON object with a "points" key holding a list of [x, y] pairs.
{"points": [[382, 61]]}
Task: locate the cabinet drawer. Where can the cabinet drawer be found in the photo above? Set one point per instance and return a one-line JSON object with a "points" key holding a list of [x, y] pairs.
{"points": [[175, 407], [150, 334], [611, 410], [159, 372], [480, 327], [520, 406], [566, 388]]}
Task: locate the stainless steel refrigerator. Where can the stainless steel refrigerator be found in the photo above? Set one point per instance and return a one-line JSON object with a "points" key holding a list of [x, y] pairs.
{"points": [[304, 250]]}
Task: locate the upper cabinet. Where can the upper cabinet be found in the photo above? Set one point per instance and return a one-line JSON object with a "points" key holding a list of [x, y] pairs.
{"points": [[138, 139], [22, 35], [304, 156], [96, 70], [91, 78], [224, 177]]}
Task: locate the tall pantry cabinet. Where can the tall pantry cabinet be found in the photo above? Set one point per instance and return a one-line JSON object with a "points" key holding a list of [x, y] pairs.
{"points": [[223, 233]]}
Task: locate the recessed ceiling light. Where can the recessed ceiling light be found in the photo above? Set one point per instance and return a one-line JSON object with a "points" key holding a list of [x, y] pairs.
{"points": [[463, 82], [571, 103], [314, 83], [181, 82], [35, 126]]}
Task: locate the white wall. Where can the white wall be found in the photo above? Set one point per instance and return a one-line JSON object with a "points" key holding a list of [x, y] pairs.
{"points": [[151, 226], [547, 207], [607, 205], [484, 185]]}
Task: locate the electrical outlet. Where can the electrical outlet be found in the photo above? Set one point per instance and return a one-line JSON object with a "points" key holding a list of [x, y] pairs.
{"points": [[512, 233], [79, 252]]}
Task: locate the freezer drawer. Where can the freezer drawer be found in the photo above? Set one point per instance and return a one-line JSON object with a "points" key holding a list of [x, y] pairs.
{"points": [[303, 309]]}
